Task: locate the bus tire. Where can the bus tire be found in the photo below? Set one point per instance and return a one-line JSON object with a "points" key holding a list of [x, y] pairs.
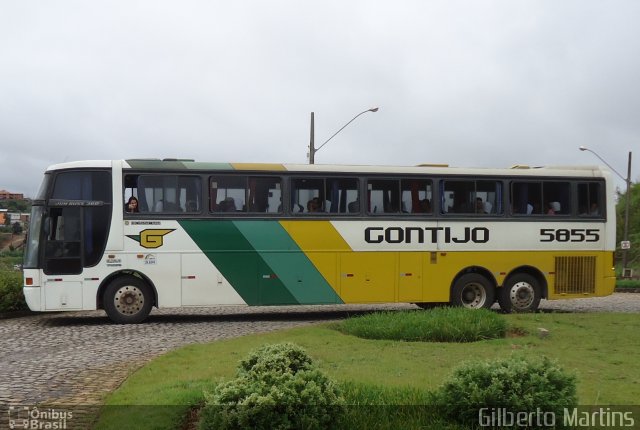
{"points": [[127, 300], [520, 293], [472, 291]]}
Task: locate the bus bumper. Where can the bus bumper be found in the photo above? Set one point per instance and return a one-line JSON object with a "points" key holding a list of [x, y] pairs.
{"points": [[33, 298], [609, 285], [31, 289]]}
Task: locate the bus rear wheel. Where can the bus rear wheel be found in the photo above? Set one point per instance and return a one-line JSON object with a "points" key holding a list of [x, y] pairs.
{"points": [[127, 300], [521, 293], [472, 291]]}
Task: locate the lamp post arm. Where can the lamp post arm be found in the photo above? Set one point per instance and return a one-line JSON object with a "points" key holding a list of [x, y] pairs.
{"points": [[582, 148], [343, 127]]}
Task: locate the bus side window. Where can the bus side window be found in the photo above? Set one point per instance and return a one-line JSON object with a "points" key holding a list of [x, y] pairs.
{"points": [[557, 198], [589, 198], [167, 193], [416, 196], [526, 198], [384, 196], [131, 191], [228, 193], [265, 194], [307, 195]]}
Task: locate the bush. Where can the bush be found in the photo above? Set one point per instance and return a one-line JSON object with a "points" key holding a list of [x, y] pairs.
{"points": [[628, 283], [276, 387], [515, 384], [446, 324], [11, 295]]}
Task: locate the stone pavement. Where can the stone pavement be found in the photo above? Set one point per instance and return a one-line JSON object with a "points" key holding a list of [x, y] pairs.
{"points": [[72, 360], [69, 361]]}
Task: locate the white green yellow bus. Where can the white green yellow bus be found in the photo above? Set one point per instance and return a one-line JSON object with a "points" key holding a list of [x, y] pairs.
{"points": [[208, 234]]}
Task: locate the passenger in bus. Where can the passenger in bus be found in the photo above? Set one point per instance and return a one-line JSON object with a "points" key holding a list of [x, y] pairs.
{"points": [[461, 205], [480, 206], [132, 205], [227, 205], [354, 206], [529, 208], [553, 208], [592, 211], [313, 205], [425, 206], [191, 206], [392, 208]]}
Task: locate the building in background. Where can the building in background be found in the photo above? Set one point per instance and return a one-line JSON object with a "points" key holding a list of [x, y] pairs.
{"points": [[7, 195]]}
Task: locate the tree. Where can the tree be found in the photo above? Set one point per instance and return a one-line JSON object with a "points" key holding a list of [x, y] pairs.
{"points": [[634, 222], [16, 205], [16, 228]]}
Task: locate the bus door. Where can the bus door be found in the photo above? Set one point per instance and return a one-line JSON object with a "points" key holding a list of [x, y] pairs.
{"points": [[63, 248], [76, 228], [75, 235]]}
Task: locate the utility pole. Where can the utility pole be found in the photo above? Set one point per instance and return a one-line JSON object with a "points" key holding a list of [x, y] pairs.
{"points": [[312, 148]]}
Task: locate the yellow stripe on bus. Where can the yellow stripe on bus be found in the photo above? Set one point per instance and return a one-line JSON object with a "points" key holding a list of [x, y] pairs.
{"points": [[258, 166], [394, 276]]}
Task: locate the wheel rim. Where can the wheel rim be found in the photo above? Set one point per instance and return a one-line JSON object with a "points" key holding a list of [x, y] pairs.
{"points": [[473, 295], [129, 300], [522, 295]]}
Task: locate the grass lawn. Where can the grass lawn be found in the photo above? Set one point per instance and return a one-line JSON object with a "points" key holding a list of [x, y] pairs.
{"points": [[600, 348]]}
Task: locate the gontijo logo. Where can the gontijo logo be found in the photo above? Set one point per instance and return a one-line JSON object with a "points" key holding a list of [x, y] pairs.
{"points": [[151, 238]]}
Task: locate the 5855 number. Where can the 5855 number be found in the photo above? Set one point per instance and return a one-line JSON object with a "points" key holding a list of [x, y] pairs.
{"points": [[569, 235]]}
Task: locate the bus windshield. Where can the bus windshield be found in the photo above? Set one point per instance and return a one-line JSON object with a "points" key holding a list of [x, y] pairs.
{"points": [[33, 238]]}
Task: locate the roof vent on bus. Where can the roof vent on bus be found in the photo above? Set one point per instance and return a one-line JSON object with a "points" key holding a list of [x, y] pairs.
{"points": [[178, 159], [431, 165], [520, 166]]}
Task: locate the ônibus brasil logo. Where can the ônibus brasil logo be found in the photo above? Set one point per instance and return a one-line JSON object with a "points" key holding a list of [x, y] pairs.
{"points": [[151, 238]]}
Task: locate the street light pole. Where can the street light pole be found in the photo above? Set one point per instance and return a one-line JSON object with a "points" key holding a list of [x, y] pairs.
{"points": [[313, 149], [627, 180], [626, 217]]}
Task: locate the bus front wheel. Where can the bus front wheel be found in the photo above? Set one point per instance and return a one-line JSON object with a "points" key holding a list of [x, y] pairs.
{"points": [[521, 293], [127, 300], [472, 291]]}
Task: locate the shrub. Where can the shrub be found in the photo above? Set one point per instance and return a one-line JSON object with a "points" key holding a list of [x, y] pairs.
{"points": [[278, 358], [515, 384], [628, 283], [276, 387], [446, 324], [11, 295]]}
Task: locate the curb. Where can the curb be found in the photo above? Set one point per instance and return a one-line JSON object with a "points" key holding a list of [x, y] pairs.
{"points": [[626, 290], [19, 314]]}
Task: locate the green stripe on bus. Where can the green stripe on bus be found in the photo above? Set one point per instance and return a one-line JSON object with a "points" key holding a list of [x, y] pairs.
{"points": [[237, 260], [288, 262]]}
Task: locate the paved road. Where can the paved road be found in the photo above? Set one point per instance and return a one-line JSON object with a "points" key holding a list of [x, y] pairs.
{"points": [[75, 359]]}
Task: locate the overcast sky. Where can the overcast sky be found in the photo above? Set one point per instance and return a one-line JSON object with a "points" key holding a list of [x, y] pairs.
{"points": [[472, 83]]}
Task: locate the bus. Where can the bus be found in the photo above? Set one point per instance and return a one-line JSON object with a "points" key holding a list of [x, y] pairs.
{"points": [[211, 234]]}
